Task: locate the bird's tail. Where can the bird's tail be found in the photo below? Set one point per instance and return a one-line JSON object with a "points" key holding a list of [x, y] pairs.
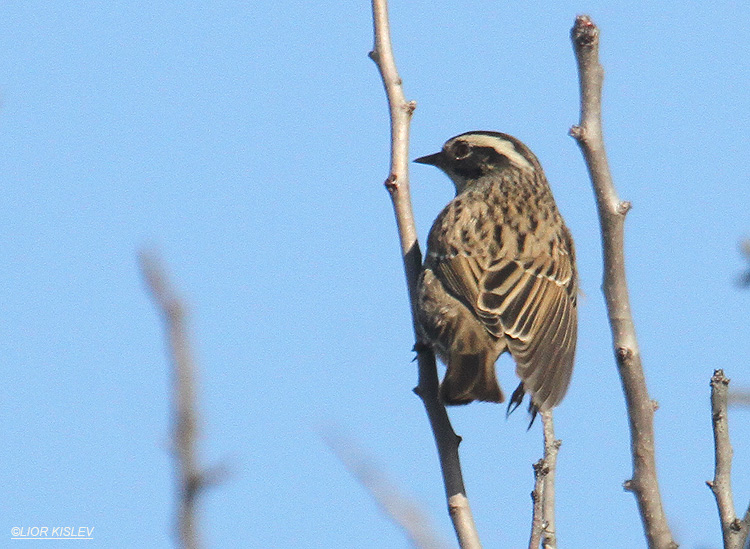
{"points": [[470, 377]]}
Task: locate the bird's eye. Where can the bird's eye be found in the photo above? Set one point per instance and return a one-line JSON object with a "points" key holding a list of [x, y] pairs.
{"points": [[461, 150]]}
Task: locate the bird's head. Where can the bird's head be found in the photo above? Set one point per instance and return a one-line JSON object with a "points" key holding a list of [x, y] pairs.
{"points": [[471, 156]]}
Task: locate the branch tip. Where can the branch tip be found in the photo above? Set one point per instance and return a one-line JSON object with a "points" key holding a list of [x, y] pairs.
{"points": [[584, 33]]}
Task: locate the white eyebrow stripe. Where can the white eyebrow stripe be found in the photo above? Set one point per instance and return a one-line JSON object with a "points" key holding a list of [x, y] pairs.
{"points": [[502, 146]]}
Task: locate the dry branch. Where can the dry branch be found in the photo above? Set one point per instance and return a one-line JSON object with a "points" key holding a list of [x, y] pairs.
{"points": [[397, 184], [588, 134], [543, 496], [190, 478], [733, 530]]}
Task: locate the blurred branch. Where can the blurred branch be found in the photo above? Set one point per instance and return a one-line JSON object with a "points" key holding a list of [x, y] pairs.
{"points": [[739, 398], [397, 184], [190, 479], [644, 483], [734, 531], [543, 496], [744, 279], [403, 511]]}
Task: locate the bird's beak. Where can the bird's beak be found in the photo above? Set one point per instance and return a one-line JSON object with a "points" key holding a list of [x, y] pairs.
{"points": [[436, 159]]}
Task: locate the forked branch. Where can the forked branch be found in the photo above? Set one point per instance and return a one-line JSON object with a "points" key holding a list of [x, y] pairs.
{"points": [[644, 483]]}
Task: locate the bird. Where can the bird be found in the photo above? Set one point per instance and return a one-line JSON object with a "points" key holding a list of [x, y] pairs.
{"points": [[499, 275]]}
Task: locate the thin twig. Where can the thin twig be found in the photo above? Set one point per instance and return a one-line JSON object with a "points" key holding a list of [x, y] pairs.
{"points": [[397, 184], [537, 498], [543, 496], [733, 530], [551, 447], [190, 479], [401, 510], [644, 483]]}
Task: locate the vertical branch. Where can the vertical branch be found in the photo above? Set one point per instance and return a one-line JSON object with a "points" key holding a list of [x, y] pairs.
{"points": [[543, 496], [537, 498], [733, 530], [551, 447], [190, 480], [612, 210], [397, 184]]}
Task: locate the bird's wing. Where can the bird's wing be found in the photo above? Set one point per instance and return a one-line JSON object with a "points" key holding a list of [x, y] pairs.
{"points": [[534, 300]]}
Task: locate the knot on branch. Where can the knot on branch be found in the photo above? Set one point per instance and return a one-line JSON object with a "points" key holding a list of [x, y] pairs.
{"points": [[629, 485], [624, 207], [576, 132], [391, 183], [410, 107], [541, 469], [623, 354], [584, 32], [736, 525]]}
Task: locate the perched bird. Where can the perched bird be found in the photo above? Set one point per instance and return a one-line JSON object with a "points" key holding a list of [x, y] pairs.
{"points": [[499, 275]]}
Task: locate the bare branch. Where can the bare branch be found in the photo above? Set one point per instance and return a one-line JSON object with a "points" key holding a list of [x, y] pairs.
{"points": [[190, 479], [734, 531], [400, 509], [397, 184], [543, 496], [551, 447], [612, 210], [537, 497]]}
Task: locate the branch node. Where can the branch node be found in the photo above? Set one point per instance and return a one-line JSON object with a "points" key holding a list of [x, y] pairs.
{"points": [[655, 404], [624, 207], [624, 354], [576, 132], [391, 183], [410, 107], [628, 486]]}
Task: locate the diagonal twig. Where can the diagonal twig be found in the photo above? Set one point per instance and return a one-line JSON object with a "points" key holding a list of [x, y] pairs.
{"points": [[397, 184], [644, 483], [400, 509]]}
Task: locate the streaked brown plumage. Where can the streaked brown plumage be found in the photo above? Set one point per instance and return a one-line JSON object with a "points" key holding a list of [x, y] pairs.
{"points": [[499, 275]]}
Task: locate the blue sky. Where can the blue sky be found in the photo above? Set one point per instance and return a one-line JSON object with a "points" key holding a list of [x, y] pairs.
{"points": [[248, 143]]}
